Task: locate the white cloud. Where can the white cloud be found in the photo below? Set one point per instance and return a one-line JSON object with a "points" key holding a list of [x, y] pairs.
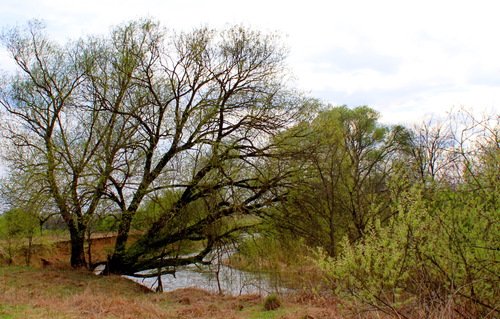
{"points": [[403, 58]]}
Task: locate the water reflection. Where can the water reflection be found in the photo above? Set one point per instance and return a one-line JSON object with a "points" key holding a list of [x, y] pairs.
{"points": [[215, 278]]}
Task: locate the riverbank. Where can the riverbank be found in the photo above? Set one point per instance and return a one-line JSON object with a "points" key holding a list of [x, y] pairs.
{"points": [[51, 289], [54, 292]]}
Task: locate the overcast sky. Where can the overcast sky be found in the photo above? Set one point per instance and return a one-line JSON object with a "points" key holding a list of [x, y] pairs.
{"points": [[403, 58]]}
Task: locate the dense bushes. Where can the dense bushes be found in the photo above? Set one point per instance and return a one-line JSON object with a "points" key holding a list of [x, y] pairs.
{"points": [[438, 254]]}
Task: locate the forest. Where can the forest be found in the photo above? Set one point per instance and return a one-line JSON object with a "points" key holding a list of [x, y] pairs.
{"points": [[178, 142]]}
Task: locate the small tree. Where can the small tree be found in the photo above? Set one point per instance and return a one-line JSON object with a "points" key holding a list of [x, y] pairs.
{"points": [[25, 191], [18, 228]]}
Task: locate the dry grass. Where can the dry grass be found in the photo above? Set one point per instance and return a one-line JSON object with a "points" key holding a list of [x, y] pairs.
{"points": [[57, 292]]}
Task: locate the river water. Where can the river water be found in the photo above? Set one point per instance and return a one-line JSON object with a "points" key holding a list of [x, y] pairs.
{"points": [[216, 279]]}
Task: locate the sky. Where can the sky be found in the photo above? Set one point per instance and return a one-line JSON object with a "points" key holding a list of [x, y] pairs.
{"points": [[406, 59]]}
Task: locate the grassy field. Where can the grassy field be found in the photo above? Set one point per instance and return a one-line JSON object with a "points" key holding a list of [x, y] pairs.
{"points": [[57, 291]]}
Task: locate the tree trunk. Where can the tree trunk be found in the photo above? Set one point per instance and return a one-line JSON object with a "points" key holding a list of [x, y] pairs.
{"points": [[116, 263], [331, 248], [77, 247], [29, 251], [89, 249]]}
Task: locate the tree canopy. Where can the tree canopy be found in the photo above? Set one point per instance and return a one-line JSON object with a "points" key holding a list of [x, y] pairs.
{"points": [[107, 122]]}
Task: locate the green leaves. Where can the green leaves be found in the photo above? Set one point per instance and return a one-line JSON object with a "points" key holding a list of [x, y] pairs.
{"points": [[343, 159], [431, 252], [18, 223]]}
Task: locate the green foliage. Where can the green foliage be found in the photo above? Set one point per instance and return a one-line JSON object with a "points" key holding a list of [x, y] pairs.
{"points": [[179, 218], [102, 224], [284, 259], [433, 253], [341, 176], [268, 252], [19, 223], [153, 209], [17, 229]]}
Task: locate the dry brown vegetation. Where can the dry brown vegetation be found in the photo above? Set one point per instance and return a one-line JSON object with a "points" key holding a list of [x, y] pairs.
{"points": [[56, 291]]}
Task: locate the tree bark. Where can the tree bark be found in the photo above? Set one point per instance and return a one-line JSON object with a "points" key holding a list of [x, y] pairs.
{"points": [[77, 259]]}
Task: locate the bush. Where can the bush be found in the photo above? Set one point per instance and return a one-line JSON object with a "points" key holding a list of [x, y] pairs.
{"points": [[272, 302], [434, 254]]}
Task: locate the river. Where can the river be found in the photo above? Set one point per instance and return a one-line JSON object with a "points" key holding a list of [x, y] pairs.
{"points": [[226, 280], [216, 278]]}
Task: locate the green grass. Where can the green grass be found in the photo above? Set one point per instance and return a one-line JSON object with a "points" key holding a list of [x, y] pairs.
{"points": [[12, 312], [265, 314]]}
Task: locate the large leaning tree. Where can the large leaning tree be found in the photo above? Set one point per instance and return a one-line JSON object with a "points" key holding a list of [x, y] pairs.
{"points": [[115, 122]]}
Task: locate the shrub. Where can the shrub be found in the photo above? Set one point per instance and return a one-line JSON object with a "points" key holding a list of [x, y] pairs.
{"points": [[433, 254], [272, 302]]}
